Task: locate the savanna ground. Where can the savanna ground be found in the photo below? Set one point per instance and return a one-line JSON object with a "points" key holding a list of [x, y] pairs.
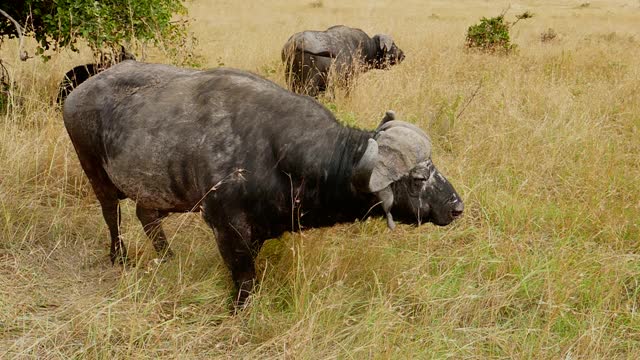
{"points": [[545, 263]]}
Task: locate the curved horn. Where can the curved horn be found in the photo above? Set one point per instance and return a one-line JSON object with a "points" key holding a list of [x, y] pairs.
{"points": [[400, 148], [362, 172], [396, 148], [389, 120], [385, 196], [389, 124], [386, 41]]}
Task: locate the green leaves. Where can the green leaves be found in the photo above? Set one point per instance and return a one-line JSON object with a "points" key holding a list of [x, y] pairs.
{"points": [[102, 24], [492, 34]]}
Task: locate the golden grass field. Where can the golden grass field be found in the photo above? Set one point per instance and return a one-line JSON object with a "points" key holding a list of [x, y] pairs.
{"points": [[544, 264]]}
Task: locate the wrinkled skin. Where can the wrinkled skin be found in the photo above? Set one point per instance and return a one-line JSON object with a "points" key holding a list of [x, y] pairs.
{"points": [[311, 57], [256, 159], [425, 195]]}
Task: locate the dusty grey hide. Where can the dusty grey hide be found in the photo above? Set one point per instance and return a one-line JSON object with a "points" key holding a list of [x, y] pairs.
{"points": [[310, 56], [257, 159], [79, 74]]}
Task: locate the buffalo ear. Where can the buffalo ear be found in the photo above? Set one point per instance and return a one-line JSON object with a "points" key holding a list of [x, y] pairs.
{"points": [[396, 149]]}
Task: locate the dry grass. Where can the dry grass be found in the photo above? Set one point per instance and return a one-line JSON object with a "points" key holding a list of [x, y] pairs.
{"points": [[544, 264]]}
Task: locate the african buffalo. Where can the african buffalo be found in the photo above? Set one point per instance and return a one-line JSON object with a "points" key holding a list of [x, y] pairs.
{"points": [[256, 159], [309, 56], [81, 73]]}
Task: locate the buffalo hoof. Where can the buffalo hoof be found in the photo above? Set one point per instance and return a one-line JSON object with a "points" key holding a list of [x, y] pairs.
{"points": [[119, 258], [243, 297], [166, 255]]}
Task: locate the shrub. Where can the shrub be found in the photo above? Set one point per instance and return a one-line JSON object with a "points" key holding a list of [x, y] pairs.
{"points": [[492, 34], [548, 35], [102, 24]]}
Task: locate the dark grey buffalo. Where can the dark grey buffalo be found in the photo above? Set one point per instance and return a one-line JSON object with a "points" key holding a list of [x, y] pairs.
{"points": [[81, 73], [310, 56], [256, 159]]}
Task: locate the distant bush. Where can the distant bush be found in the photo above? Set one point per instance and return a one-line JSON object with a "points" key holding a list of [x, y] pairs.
{"points": [[548, 35], [492, 34]]}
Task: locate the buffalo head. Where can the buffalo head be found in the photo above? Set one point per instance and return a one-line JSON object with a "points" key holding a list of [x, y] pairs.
{"points": [[124, 55], [388, 52], [397, 168]]}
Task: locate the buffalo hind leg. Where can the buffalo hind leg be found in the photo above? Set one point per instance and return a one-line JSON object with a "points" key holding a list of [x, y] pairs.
{"points": [[111, 214], [108, 198], [152, 224], [108, 195]]}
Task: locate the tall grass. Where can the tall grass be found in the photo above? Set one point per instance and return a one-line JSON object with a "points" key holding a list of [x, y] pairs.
{"points": [[545, 263]]}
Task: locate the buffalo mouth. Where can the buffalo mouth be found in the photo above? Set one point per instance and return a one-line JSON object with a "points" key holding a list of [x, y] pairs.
{"points": [[441, 222], [448, 217], [424, 220], [443, 219]]}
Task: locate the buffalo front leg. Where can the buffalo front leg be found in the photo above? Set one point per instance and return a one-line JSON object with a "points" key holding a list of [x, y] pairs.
{"points": [[234, 238], [152, 224]]}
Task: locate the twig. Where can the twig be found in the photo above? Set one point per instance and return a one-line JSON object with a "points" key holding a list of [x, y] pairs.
{"points": [[524, 15], [22, 53], [504, 12], [473, 95]]}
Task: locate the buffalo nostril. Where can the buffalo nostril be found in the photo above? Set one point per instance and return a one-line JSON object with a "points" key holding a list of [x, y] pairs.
{"points": [[457, 210]]}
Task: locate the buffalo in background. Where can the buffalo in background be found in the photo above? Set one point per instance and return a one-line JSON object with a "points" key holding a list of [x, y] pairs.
{"points": [[311, 56], [81, 73], [256, 159]]}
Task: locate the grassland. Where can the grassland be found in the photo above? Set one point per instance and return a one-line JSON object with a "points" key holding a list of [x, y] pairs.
{"points": [[545, 263]]}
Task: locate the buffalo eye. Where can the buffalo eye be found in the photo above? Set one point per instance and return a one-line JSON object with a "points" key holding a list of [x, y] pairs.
{"points": [[417, 182]]}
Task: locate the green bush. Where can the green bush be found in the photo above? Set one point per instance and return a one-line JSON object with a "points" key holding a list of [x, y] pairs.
{"points": [[102, 24], [492, 34]]}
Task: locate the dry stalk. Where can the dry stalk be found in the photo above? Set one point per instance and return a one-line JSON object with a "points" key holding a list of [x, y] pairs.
{"points": [[21, 53]]}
